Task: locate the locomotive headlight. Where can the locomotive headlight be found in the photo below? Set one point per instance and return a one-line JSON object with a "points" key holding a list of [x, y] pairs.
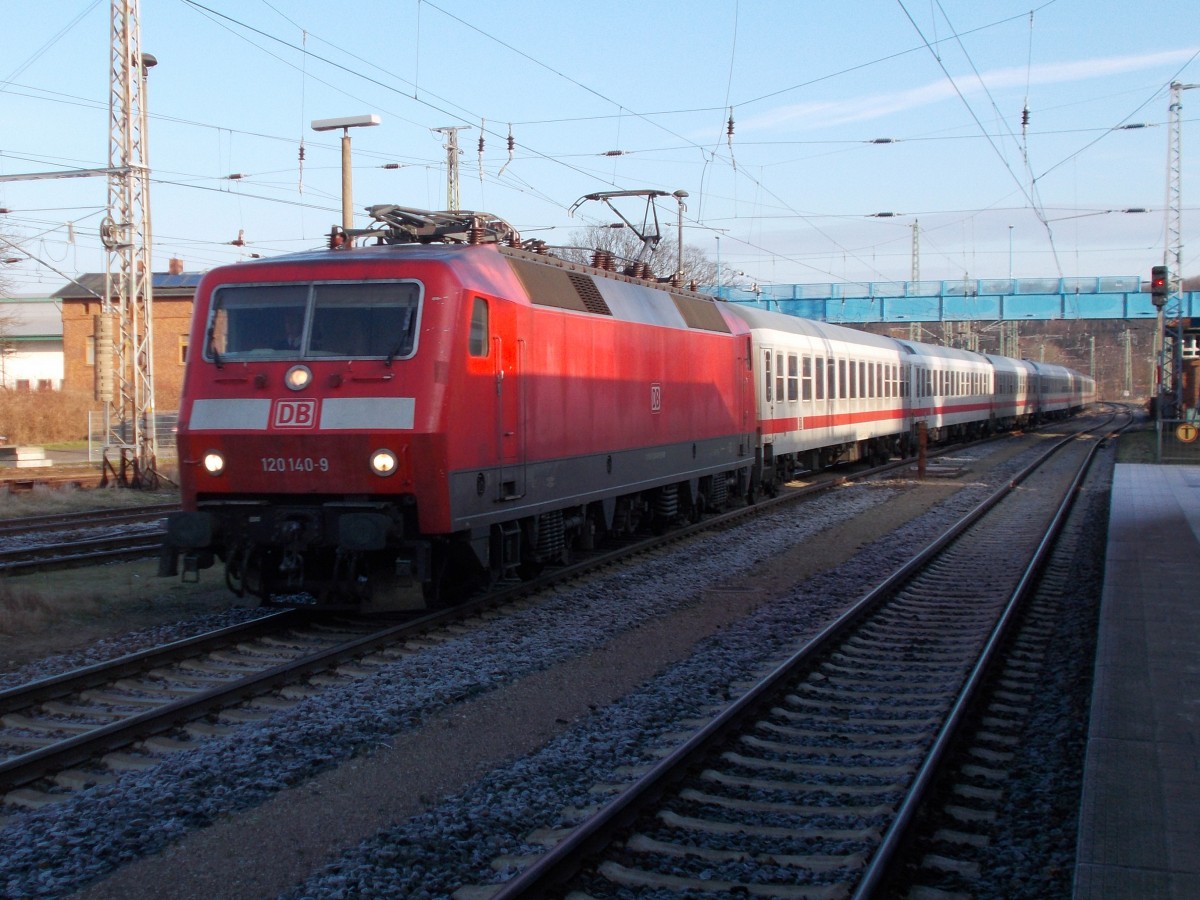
{"points": [[298, 378], [214, 462], [383, 462]]}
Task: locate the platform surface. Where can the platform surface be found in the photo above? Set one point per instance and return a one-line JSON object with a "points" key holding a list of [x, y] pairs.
{"points": [[1139, 825]]}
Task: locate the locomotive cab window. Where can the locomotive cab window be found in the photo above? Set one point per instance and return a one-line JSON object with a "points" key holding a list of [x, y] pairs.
{"points": [[337, 319]]}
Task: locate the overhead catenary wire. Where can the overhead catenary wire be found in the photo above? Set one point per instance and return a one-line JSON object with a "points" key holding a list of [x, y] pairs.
{"points": [[722, 155]]}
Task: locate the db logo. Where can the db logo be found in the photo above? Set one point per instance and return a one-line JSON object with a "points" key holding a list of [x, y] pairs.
{"points": [[655, 397], [294, 414]]}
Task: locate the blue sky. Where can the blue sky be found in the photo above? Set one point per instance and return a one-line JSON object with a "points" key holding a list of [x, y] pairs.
{"points": [[622, 95]]}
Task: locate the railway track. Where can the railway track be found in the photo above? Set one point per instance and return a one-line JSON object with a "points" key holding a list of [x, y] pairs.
{"points": [[64, 731], [74, 730], [92, 518], [808, 785], [60, 541], [181, 788]]}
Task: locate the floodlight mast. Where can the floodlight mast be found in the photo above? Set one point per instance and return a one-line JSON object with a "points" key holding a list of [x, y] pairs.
{"points": [[346, 123]]}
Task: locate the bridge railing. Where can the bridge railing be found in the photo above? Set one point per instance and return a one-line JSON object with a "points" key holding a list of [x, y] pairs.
{"points": [[1093, 297]]}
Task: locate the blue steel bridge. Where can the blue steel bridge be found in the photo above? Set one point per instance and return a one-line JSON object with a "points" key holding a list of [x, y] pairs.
{"points": [[991, 299]]}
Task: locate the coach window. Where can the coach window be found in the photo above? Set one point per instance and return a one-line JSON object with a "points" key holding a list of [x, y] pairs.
{"points": [[806, 379], [793, 377], [767, 376], [841, 379], [819, 372], [862, 379], [478, 342], [779, 377], [831, 378], [853, 389]]}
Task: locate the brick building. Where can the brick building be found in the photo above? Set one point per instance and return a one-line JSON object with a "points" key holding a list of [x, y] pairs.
{"points": [[174, 293]]}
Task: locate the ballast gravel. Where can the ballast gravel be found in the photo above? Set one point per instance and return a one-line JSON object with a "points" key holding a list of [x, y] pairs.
{"points": [[60, 849]]}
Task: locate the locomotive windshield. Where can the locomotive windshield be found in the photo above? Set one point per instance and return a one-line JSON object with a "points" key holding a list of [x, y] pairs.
{"points": [[326, 319]]}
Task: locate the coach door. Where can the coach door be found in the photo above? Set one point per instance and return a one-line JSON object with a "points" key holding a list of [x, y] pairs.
{"points": [[509, 357]]}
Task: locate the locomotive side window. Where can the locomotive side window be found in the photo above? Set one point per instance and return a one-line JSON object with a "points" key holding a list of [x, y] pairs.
{"points": [[478, 341]]}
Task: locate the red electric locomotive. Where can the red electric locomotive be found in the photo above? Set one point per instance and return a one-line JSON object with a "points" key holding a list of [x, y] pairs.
{"points": [[443, 408]]}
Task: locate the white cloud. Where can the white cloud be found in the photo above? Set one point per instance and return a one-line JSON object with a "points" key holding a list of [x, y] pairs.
{"points": [[824, 114]]}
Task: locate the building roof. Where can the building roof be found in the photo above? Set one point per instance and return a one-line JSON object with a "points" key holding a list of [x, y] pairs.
{"points": [[166, 285], [31, 318]]}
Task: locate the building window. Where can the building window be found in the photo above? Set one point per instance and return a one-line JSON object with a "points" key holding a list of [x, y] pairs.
{"points": [[183, 350]]}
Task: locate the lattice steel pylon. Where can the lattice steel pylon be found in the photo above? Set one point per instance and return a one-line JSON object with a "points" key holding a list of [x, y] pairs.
{"points": [[124, 334], [452, 154], [1170, 336]]}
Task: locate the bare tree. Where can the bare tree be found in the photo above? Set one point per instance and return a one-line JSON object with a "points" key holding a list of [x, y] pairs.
{"points": [[625, 247]]}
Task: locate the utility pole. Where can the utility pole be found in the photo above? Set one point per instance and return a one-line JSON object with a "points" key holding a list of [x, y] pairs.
{"points": [[124, 337], [452, 154]]}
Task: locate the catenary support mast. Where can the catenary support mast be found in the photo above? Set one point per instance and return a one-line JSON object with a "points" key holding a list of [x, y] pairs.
{"points": [[124, 357]]}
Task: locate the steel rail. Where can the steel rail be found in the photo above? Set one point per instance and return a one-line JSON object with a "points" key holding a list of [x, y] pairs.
{"points": [[886, 853], [32, 693], [27, 767]]}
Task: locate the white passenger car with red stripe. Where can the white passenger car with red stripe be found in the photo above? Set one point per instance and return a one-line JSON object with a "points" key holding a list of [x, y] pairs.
{"points": [[950, 390], [825, 393]]}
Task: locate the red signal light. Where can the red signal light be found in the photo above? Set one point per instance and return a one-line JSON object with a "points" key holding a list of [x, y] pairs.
{"points": [[1158, 285]]}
